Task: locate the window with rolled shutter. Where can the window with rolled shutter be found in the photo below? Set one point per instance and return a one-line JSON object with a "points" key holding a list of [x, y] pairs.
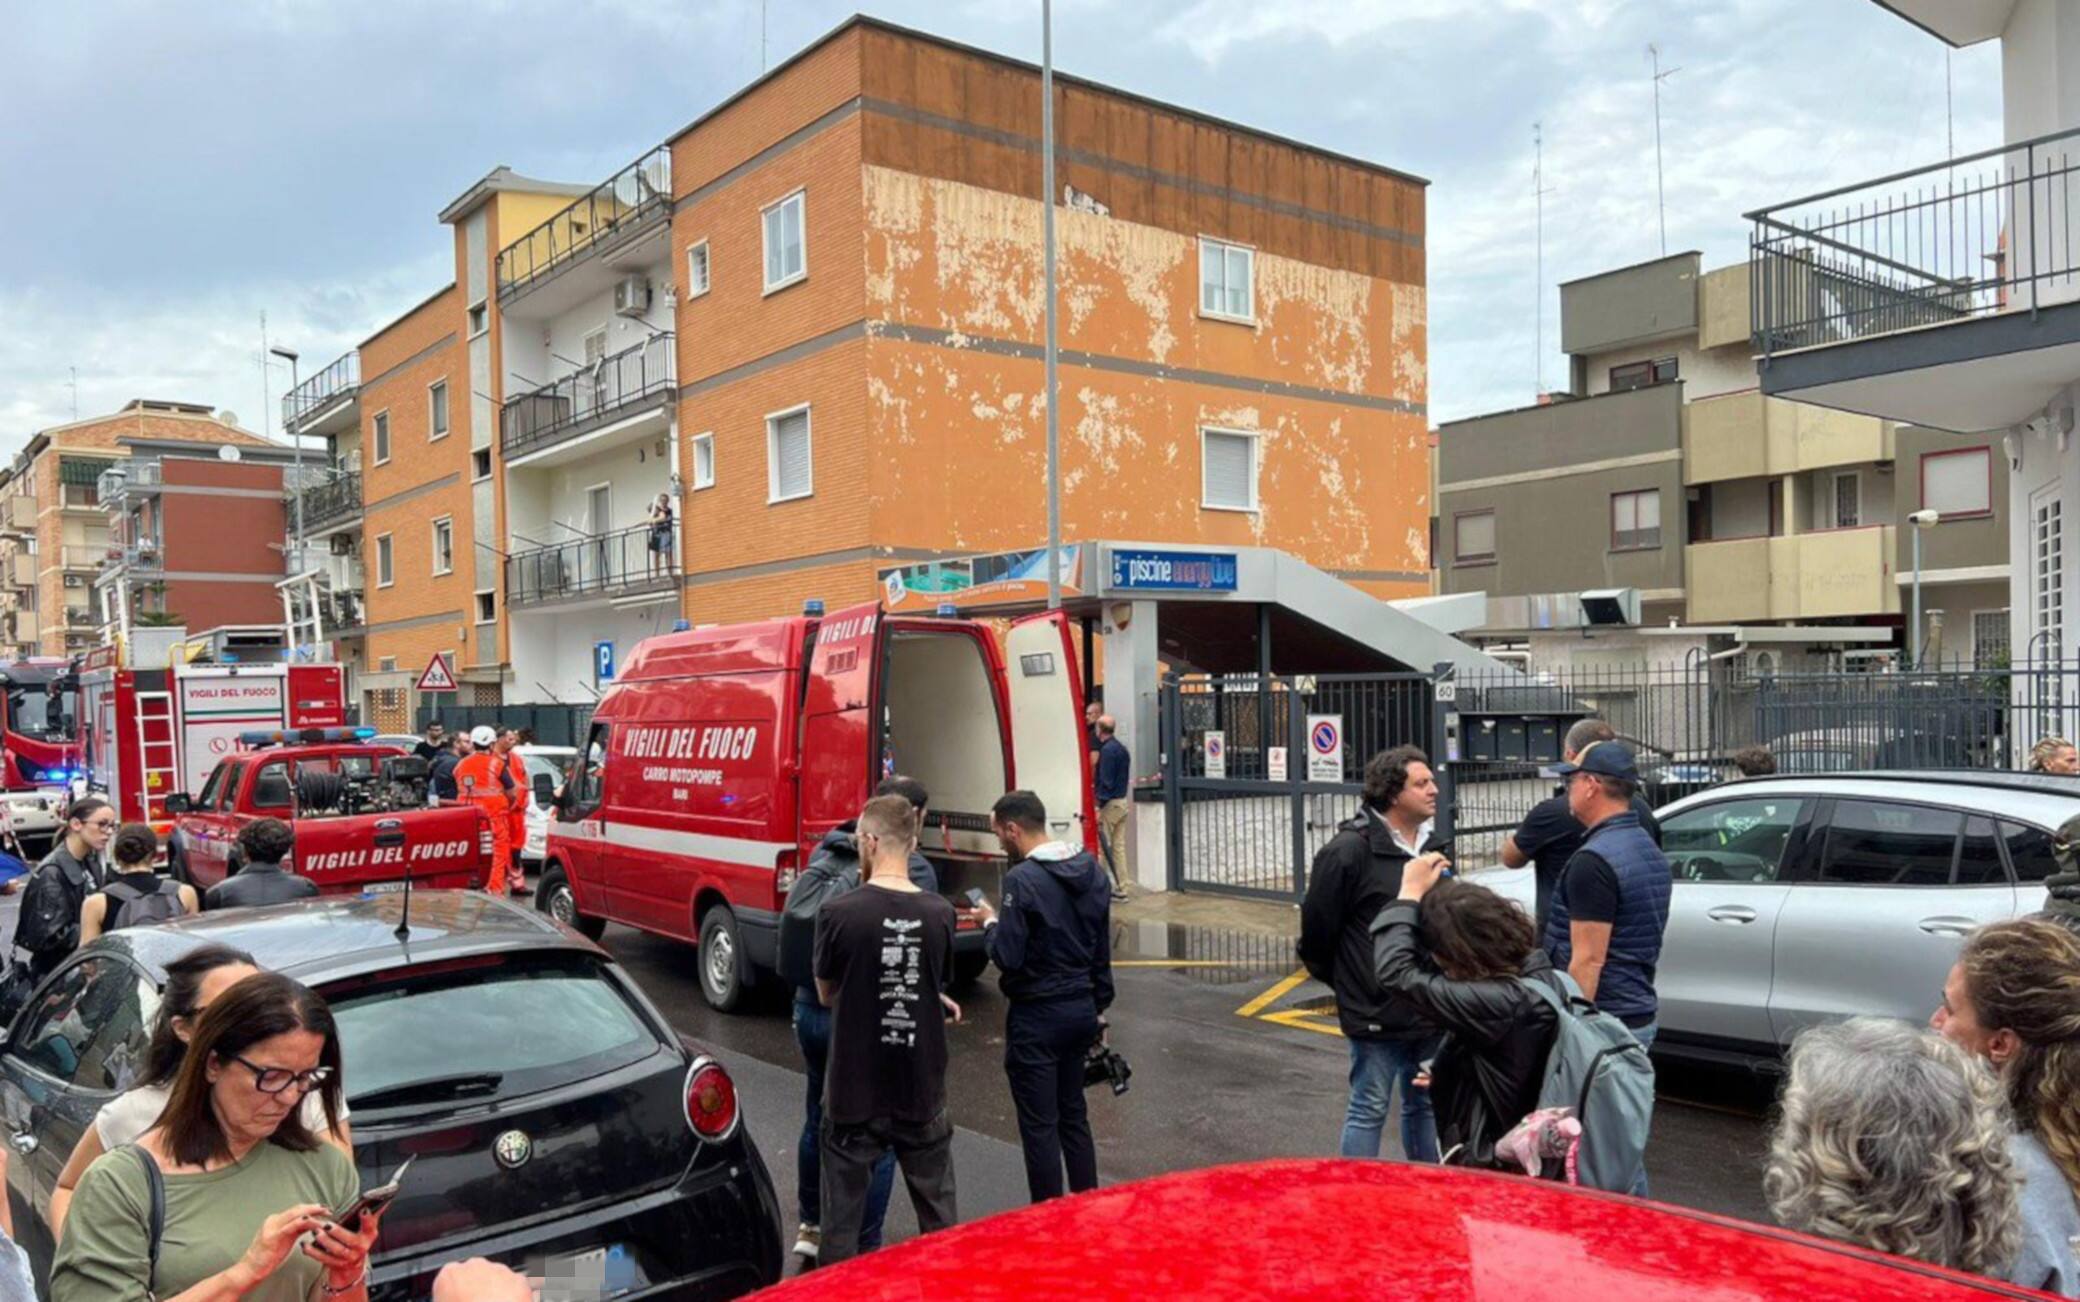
{"points": [[787, 453], [1230, 469]]}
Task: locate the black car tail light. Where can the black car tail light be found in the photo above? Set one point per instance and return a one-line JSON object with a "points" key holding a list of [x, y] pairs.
{"points": [[711, 1101]]}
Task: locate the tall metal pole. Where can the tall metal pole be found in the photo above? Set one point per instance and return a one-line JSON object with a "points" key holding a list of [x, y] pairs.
{"points": [[1054, 428], [1915, 642], [1660, 191]]}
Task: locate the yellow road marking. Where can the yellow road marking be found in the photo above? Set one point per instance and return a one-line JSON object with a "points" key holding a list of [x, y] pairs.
{"points": [[1306, 1020], [1273, 995]]}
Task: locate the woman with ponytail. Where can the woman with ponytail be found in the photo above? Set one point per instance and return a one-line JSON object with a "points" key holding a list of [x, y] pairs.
{"points": [[2014, 999]]}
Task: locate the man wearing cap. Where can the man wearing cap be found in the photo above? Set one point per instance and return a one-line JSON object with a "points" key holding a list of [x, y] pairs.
{"points": [[1610, 905], [485, 780]]}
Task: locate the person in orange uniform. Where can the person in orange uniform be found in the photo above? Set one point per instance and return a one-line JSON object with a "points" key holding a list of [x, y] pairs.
{"points": [[485, 780], [516, 822]]}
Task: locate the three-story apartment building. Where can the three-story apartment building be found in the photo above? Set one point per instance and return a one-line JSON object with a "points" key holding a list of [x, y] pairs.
{"points": [[1668, 473]]}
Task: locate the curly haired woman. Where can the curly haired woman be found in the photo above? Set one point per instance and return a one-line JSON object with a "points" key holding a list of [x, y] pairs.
{"points": [[1894, 1138], [2014, 1000]]}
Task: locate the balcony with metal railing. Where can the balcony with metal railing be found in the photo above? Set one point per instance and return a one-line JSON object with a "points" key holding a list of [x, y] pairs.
{"points": [[1892, 296], [595, 566], [330, 505], [133, 477], [614, 388], [323, 403], [605, 225]]}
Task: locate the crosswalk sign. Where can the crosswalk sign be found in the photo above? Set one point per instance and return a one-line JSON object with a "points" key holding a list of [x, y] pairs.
{"points": [[439, 675]]}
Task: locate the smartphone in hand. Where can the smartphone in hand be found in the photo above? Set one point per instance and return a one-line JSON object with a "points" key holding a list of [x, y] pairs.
{"points": [[975, 898], [374, 1202]]}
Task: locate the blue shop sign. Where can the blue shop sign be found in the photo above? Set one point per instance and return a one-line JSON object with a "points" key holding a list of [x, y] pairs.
{"points": [[1138, 571]]}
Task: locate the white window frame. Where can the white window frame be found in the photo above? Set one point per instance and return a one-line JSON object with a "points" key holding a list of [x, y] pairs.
{"points": [[379, 437], [800, 198], [437, 524], [1206, 242], [1256, 466], [598, 332], [773, 419], [433, 436], [481, 305], [707, 276], [386, 561], [477, 607], [704, 441]]}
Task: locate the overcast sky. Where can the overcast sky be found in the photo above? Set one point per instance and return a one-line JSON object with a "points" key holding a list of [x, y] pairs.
{"points": [[169, 171]]}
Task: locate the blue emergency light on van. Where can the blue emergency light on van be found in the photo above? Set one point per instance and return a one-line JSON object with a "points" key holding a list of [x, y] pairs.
{"points": [[813, 607], [261, 737]]}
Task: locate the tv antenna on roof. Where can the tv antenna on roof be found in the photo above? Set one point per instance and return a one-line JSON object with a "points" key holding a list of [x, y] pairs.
{"points": [[1660, 193]]}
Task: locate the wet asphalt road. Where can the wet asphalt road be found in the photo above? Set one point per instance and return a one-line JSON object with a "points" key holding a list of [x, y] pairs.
{"points": [[1210, 1086]]}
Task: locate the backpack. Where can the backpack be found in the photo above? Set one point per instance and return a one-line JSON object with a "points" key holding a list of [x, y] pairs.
{"points": [[136, 907], [824, 879], [1601, 1075]]}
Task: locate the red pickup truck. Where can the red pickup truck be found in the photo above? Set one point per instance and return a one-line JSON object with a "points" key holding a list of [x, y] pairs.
{"points": [[359, 812]]}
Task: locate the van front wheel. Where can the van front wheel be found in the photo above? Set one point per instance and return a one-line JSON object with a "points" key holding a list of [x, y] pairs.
{"points": [[721, 960], [555, 898]]}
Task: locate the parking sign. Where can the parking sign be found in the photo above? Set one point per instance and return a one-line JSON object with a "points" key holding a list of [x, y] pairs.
{"points": [[603, 662], [1325, 748], [1216, 754]]}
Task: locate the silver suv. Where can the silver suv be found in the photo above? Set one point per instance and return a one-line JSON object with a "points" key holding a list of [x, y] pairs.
{"points": [[1803, 898]]}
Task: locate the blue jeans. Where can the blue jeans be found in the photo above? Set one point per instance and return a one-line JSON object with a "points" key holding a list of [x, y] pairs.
{"points": [[812, 1031], [1377, 1066], [1645, 1036]]}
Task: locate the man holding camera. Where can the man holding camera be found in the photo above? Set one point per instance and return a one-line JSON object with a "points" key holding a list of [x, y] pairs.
{"points": [[1053, 946]]}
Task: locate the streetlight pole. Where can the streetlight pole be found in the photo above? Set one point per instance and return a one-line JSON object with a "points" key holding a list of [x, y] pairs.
{"points": [[1054, 428], [1920, 520], [295, 434]]}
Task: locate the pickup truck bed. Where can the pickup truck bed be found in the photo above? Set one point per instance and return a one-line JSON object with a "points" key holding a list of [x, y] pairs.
{"points": [[341, 849]]}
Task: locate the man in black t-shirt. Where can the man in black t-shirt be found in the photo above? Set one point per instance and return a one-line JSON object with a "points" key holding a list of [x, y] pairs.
{"points": [[884, 953], [1550, 834]]}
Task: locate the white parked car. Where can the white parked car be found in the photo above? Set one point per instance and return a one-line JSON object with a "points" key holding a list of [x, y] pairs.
{"points": [[548, 767]]}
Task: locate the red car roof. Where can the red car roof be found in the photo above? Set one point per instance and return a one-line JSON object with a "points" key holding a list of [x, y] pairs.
{"points": [[1337, 1230]]}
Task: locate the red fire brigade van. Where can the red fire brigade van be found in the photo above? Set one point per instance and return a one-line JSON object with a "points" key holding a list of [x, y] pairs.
{"points": [[721, 756]]}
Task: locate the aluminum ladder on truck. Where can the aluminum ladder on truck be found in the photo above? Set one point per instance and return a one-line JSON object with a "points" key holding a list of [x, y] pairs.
{"points": [[158, 759]]}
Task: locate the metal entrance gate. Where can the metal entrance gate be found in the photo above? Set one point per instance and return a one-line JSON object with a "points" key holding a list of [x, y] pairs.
{"points": [[1251, 792]]}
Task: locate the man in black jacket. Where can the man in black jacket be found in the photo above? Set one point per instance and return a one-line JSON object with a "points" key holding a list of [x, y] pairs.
{"points": [[261, 879], [834, 870], [1355, 875], [1053, 946]]}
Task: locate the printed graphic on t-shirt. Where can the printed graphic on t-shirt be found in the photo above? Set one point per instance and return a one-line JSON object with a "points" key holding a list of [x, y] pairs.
{"points": [[902, 978]]}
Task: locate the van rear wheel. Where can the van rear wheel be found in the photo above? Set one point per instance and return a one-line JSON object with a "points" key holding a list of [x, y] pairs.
{"points": [[554, 897], [721, 960]]}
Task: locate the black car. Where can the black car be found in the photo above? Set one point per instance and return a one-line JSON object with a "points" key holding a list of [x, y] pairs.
{"points": [[555, 1121]]}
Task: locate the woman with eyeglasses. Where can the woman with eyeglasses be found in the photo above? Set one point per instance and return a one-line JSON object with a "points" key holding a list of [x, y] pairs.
{"points": [[193, 983], [249, 1192], [73, 870]]}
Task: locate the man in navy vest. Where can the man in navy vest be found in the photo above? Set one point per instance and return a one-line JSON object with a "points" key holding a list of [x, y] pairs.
{"points": [[1611, 903]]}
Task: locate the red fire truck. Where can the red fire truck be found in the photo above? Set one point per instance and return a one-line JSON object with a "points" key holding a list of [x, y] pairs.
{"points": [[150, 731], [39, 724]]}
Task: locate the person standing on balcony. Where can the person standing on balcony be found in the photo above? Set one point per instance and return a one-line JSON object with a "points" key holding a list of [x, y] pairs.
{"points": [[660, 560]]}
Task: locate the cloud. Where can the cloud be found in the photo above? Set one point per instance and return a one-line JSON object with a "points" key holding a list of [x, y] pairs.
{"points": [[175, 170]]}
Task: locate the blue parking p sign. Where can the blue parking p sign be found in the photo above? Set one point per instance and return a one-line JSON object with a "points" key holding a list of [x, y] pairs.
{"points": [[603, 661]]}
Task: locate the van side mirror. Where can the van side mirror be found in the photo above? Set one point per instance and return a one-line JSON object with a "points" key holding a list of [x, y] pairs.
{"points": [[178, 803]]}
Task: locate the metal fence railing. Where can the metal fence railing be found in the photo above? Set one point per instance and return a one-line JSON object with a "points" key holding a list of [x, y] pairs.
{"points": [[1989, 232], [638, 194], [338, 379], [570, 406], [331, 502], [593, 565], [552, 725]]}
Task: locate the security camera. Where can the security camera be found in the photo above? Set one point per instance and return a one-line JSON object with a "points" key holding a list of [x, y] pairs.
{"points": [[1925, 518]]}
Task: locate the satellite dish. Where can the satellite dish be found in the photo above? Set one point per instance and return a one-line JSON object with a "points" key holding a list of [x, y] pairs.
{"points": [[228, 418], [228, 453]]}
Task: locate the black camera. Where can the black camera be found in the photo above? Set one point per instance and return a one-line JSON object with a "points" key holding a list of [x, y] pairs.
{"points": [[1103, 1066]]}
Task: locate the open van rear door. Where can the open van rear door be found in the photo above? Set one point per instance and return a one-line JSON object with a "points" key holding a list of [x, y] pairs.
{"points": [[838, 732], [1050, 755]]}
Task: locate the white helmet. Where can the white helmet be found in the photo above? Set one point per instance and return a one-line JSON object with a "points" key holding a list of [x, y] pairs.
{"points": [[483, 735]]}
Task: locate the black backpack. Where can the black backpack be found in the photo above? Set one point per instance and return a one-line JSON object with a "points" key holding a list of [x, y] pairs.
{"points": [[135, 906]]}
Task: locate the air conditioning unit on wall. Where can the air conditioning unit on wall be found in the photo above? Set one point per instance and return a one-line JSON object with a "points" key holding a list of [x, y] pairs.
{"points": [[631, 296]]}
